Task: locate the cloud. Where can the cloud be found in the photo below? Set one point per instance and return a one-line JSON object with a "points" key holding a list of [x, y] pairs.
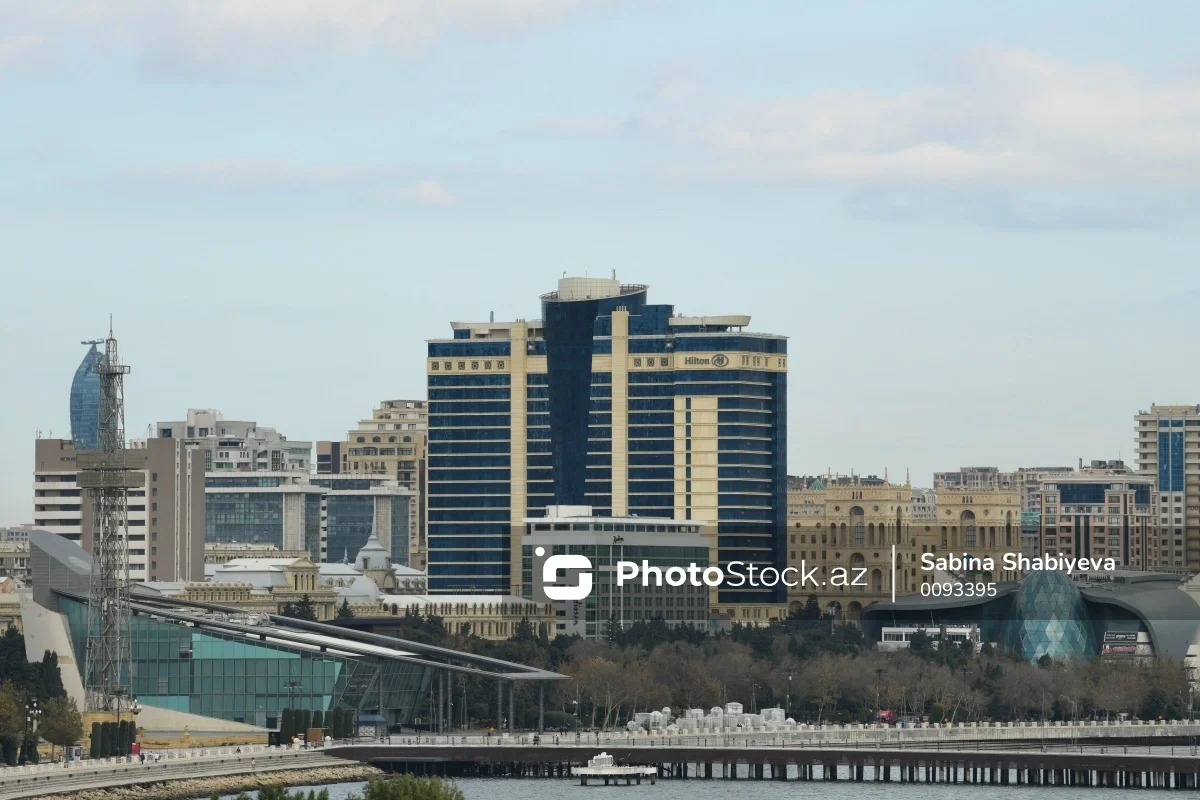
{"points": [[1010, 209], [217, 36], [372, 183], [989, 117], [23, 52], [581, 126], [424, 192], [247, 175]]}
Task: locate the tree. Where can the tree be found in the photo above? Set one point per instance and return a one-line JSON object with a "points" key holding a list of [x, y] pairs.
{"points": [[301, 609], [411, 787], [821, 680], [344, 611], [62, 724], [12, 721], [287, 726], [811, 610], [318, 719], [47, 678]]}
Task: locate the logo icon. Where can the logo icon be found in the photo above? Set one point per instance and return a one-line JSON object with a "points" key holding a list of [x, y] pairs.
{"points": [[720, 360], [555, 564]]}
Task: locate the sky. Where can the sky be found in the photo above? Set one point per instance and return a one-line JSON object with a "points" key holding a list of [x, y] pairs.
{"points": [[976, 222]]}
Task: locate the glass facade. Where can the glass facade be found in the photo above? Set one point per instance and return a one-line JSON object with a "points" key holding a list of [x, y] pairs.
{"points": [[468, 480], [400, 530], [85, 402], [247, 517], [1170, 456], [243, 680], [312, 527], [349, 520], [1049, 618]]}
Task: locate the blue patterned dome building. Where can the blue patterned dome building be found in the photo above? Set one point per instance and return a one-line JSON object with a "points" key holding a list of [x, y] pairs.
{"points": [[1048, 618]]}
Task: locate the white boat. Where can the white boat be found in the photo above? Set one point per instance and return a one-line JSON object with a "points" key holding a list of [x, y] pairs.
{"points": [[605, 767]]}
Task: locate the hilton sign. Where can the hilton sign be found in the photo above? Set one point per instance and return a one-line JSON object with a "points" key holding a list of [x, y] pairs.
{"points": [[718, 360]]}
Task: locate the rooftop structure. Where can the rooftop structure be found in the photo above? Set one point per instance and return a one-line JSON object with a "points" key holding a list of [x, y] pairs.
{"points": [[236, 445]]}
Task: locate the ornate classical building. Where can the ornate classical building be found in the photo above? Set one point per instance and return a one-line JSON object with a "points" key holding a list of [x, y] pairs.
{"points": [[847, 525]]}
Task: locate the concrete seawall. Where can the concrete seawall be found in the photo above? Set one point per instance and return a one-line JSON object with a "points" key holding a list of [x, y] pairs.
{"points": [[183, 778]]}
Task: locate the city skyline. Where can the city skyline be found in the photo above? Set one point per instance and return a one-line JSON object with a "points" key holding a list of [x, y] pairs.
{"points": [[278, 217]]}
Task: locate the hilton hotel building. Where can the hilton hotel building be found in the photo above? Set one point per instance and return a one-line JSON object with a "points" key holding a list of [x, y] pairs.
{"points": [[611, 402]]}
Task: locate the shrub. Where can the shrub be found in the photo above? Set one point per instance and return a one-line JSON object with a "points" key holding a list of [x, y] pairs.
{"points": [[411, 787]]}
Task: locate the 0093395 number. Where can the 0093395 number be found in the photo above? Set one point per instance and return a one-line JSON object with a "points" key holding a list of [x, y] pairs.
{"points": [[946, 589]]}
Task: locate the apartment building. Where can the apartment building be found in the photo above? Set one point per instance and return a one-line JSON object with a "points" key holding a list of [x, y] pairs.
{"points": [[166, 519], [1168, 447], [237, 446]]}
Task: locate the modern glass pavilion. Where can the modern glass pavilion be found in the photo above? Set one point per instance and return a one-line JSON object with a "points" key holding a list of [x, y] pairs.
{"points": [[220, 662]]}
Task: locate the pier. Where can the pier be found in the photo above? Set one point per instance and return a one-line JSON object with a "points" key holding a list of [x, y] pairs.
{"points": [[1099, 766]]}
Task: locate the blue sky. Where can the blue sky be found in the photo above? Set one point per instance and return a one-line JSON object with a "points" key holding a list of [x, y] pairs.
{"points": [[977, 222]]}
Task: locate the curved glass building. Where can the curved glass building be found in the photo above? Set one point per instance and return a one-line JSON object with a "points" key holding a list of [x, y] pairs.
{"points": [[1049, 619], [85, 401], [1124, 615]]}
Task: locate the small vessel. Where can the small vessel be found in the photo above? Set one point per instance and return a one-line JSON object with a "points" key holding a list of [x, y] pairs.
{"points": [[605, 767]]}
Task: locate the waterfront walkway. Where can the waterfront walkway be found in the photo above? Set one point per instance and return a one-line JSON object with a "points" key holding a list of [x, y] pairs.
{"points": [[172, 765]]}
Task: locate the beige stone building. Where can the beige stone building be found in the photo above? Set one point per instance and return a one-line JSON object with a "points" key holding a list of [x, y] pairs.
{"points": [[257, 585], [392, 443], [487, 616], [224, 552], [848, 526]]}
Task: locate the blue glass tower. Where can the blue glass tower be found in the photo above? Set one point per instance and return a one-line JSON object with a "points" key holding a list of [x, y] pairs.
{"points": [[85, 401], [607, 401]]}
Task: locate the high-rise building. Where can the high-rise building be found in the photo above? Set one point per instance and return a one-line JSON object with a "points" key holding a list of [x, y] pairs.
{"points": [[391, 443], [1168, 445], [165, 532], [612, 402], [85, 400], [1102, 511], [237, 446]]}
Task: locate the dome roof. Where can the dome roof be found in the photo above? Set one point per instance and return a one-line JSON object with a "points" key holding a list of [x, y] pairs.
{"points": [[372, 555], [1049, 619]]}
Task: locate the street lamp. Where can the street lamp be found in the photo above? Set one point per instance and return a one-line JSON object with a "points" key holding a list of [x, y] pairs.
{"points": [[118, 693], [621, 541], [32, 715], [292, 686], [879, 672]]}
